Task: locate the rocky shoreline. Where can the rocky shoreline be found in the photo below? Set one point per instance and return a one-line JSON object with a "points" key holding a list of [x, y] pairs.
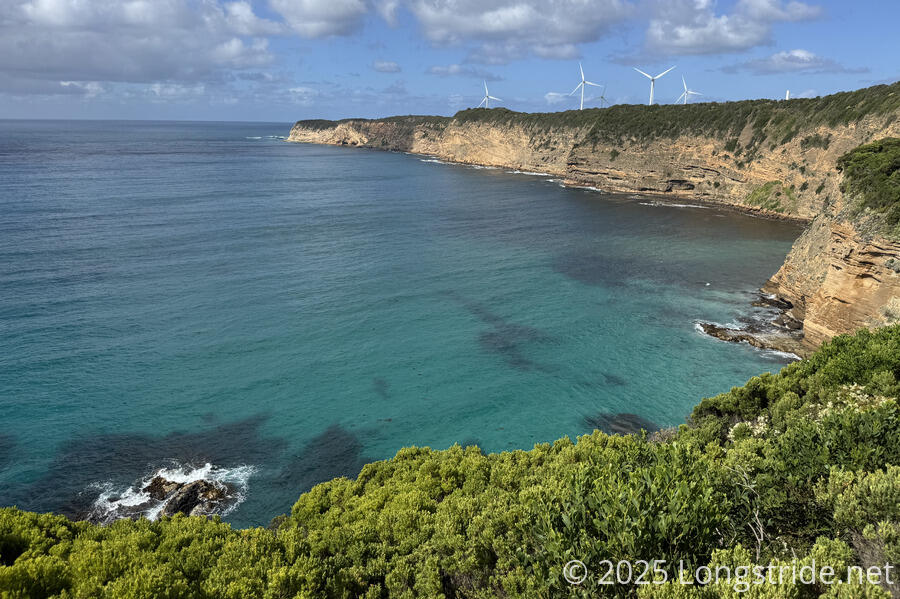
{"points": [[197, 498], [192, 491], [779, 331]]}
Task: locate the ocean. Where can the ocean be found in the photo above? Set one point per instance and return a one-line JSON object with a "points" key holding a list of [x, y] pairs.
{"points": [[208, 300]]}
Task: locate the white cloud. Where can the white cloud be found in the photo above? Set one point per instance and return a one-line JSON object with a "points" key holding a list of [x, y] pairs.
{"points": [[555, 97], [458, 70], [693, 27], [89, 89], [386, 66], [174, 91], [791, 61], [505, 30], [128, 41], [304, 96], [321, 18]]}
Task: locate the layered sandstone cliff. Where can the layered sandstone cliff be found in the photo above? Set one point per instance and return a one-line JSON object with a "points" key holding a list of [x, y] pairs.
{"points": [[839, 280], [772, 158]]}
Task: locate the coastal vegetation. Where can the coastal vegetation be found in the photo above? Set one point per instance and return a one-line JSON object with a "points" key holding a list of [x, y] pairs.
{"points": [[772, 122], [792, 468], [872, 177]]}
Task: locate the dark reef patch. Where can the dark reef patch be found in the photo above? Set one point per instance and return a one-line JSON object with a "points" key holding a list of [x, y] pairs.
{"points": [[505, 338], [507, 341], [334, 453], [7, 445], [596, 269], [622, 423], [472, 442], [616, 271], [614, 380], [120, 458], [381, 387]]}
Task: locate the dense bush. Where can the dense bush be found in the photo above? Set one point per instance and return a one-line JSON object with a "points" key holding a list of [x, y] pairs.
{"points": [[872, 174], [800, 465]]}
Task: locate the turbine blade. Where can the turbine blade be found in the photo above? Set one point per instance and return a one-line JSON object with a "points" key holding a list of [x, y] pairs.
{"points": [[594, 84], [680, 97], [493, 98], [482, 102], [684, 83], [485, 88], [576, 88], [582, 71], [693, 93], [642, 73], [663, 73]]}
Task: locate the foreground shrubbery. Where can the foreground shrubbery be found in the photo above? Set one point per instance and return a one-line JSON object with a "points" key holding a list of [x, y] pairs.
{"points": [[802, 465]]}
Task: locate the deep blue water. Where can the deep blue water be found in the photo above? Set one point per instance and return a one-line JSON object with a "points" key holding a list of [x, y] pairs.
{"points": [[173, 294]]}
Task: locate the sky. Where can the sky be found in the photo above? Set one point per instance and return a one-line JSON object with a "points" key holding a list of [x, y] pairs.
{"points": [[284, 60]]}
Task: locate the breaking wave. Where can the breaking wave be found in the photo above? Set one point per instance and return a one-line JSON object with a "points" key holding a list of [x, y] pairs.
{"points": [[673, 205], [115, 502]]}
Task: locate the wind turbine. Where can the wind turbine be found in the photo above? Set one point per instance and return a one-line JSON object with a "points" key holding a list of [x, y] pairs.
{"points": [[687, 92], [581, 85], [487, 97], [652, 80], [603, 96]]}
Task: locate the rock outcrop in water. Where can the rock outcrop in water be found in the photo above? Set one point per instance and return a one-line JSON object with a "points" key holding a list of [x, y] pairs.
{"points": [[197, 498], [771, 158]]}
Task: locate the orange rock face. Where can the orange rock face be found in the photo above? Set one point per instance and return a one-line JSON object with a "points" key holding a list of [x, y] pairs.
{"points": [[839, 281]]}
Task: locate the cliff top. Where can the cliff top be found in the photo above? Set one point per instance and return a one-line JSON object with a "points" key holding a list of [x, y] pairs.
{"points": [[777, 121]]}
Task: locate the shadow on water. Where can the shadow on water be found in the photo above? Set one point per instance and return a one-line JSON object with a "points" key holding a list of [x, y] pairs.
{"points": [[505, 338], [334, 453], [621, 423], [120, 458]]}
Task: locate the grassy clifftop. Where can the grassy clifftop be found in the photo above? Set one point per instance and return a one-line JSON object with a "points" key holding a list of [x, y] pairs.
{"points": [[802, 465], [779, 121]]}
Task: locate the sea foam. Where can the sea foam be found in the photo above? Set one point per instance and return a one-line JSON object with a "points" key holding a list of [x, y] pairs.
{"points": [[115, 502]]}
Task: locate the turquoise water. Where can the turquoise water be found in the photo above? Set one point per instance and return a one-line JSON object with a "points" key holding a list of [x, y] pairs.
{"points": [[184, 293]]}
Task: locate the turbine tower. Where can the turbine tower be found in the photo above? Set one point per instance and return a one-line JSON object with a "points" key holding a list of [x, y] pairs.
{"points": [[787, 95], [687, 92], [487, 97], [581, 85], [652, 81]]}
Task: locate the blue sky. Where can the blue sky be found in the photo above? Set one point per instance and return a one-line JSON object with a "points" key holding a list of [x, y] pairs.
{"points": [[282, 60]]}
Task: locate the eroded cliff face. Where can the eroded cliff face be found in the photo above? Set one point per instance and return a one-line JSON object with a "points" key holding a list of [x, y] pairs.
{"points": [[839, 280], [835, 278], [516, 147], [795, 179]]}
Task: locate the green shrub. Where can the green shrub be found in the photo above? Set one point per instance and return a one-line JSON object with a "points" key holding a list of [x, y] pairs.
{"points": [[872, 174]]}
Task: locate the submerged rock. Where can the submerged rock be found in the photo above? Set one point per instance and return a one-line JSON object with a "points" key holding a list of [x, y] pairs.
{"points": [[622, 423]]}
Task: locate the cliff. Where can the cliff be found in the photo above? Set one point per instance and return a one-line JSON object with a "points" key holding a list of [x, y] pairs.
{"points": [[773, 158]]}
